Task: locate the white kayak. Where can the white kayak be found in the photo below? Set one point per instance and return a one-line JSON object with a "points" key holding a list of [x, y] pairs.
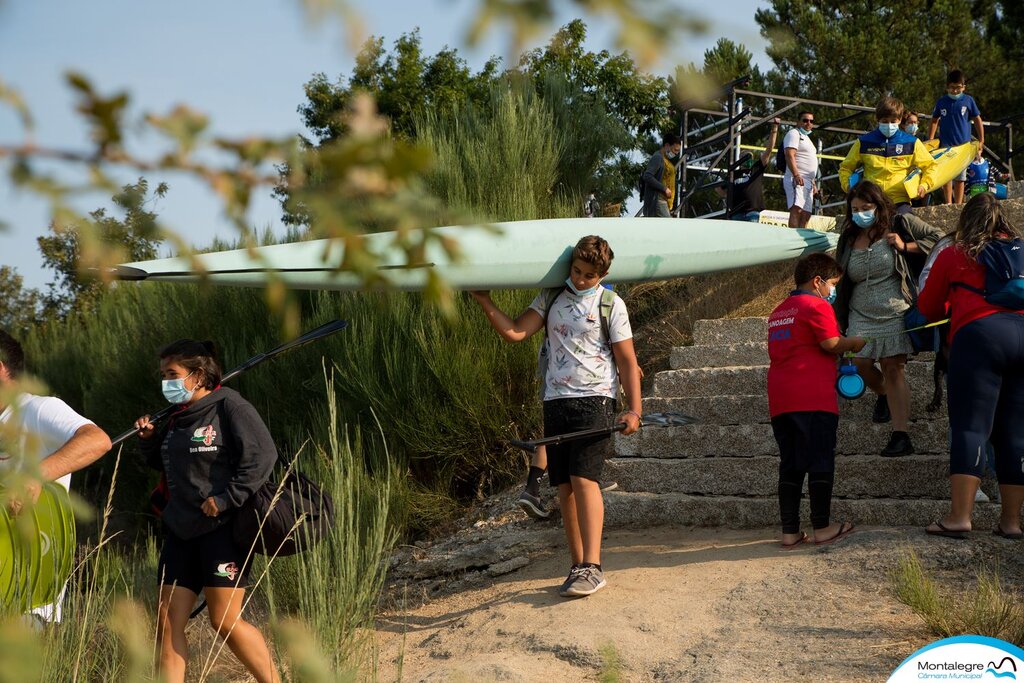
{"points": [[515, 255]]}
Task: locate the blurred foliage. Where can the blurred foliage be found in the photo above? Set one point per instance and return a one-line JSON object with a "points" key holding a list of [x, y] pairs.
{"points": [[75, 254]]}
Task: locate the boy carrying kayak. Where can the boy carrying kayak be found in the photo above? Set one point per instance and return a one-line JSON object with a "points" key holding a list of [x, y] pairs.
{"points": [[888, 154], [584, 364]]}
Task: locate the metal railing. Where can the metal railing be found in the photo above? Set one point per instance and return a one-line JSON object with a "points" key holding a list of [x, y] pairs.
{"points": [[712, 145]]}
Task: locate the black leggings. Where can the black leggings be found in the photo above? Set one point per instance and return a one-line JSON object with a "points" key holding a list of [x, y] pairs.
{"points": [[807, 447], [986, 397]]}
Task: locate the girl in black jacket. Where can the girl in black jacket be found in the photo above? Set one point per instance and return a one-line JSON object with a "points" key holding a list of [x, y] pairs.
{"points": [[214, 452]]}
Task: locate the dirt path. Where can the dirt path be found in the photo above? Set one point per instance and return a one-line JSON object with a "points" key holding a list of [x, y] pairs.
{"points": [[681, 605]]}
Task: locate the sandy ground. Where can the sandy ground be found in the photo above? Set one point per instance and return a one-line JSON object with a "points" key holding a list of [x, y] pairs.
{"points": [[681, 605]]}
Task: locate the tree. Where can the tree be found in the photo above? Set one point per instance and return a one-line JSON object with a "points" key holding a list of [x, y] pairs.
{"points": [[19, 306], [860, 50], [69, 252]]}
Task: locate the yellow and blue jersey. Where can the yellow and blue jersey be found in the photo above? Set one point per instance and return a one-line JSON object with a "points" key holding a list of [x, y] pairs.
{"points": [[887, 162]]}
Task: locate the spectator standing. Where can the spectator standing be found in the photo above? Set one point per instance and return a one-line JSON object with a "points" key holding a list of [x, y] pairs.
{"points": [[801, 170], [659, 178], [746, 200]]}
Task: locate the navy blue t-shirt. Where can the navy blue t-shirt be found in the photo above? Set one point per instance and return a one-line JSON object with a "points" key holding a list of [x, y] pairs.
{"points": [[955, 126]]}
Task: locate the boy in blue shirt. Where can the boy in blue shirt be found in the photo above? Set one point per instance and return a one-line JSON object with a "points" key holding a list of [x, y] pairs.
{"points": [[952, 115]]}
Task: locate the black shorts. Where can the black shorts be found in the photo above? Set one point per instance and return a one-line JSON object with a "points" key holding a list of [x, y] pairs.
{"points": [[583, 457], [213, 559], [807, 440]]}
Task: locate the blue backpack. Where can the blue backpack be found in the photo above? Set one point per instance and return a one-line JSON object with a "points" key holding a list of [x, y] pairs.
{"points": [[1004, 274]]}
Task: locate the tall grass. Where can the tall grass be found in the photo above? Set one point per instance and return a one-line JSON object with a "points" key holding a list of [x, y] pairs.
{"points": [[448, 393], [991, 609], [500, 162]]}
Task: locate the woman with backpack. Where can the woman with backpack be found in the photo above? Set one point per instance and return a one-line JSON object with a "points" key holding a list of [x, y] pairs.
{"points": [[214, 452], [877, 251], [986, 360]]}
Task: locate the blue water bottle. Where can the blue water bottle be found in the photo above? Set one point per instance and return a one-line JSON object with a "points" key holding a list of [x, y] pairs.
{"points": [[849, 383]]}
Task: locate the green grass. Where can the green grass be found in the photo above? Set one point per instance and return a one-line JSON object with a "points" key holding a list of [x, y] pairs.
{"points": [[990, 609], [611, 664]]}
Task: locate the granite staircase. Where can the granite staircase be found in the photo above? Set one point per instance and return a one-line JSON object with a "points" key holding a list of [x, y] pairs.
{"points": [[724, 471]]}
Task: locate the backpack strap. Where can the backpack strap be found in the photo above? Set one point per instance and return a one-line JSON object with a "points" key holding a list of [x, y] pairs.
{"points": [[549, 295], [607, 301]]}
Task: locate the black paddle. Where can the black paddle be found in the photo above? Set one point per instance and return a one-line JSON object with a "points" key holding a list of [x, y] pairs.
{"points": [[323, 331], [649, 420]]}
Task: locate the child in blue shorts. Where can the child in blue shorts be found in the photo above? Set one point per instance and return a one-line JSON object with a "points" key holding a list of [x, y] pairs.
{"points": [[953, 115]]}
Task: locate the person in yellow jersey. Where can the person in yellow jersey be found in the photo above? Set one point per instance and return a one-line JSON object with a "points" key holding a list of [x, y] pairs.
{"points": [[888, 154], [659, 178]]}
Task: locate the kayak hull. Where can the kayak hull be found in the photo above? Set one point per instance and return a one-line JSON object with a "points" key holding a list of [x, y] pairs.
{"points": [[516, 255]]}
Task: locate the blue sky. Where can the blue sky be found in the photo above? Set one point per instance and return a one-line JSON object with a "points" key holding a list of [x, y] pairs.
{"points": [[242, 63]]}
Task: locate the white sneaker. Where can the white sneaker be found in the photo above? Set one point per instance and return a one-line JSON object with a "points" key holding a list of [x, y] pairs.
{"points": [[981, 497]]}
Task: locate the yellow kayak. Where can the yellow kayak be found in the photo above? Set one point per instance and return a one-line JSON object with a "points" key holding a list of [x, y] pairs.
{"points": [[949, 163]]}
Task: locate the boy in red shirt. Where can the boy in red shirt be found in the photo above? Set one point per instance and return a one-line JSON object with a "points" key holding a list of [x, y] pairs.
{"points": [[803, 342]]}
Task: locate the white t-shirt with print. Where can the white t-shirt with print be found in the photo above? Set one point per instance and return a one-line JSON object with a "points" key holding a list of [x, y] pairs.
{"points": [[41, 424], [806, 153], [580, 359]]}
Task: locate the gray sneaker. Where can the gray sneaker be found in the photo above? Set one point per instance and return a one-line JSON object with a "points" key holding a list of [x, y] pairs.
{"points": [[608, 485], [532, 505], [574, 571], [588, 580]]}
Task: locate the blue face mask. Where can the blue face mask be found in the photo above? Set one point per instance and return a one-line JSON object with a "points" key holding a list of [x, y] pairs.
{"points": [[912, 129], [581, 292], [888, 129], [864, 219], [174, 390], [956, 96], [831, 298]]}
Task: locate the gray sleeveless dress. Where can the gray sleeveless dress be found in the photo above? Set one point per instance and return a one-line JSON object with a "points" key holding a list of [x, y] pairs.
{"points": [[877, 305]]}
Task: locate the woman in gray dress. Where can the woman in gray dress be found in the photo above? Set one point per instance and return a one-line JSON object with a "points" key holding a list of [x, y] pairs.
{"points": [[877, 251]]}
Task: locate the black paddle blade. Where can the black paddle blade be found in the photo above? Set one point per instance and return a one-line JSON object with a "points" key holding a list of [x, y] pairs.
{"points": [[667, 420]]}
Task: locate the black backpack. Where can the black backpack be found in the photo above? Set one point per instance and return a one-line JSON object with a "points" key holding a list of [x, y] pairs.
{"points": [[297, 520], [1004, 274]]}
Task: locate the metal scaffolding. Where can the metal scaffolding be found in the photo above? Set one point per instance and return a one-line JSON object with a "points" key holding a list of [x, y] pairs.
{"points": [[712, 145]]}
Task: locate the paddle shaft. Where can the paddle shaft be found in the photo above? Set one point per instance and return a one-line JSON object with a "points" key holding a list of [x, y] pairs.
{"points": [[531, 446], [320, 332]]}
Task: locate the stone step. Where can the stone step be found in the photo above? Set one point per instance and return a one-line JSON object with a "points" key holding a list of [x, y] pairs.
{"points": [[750, 409], [734, 355], [731, 381], [641, 510], [719, 356], [751, 440], [730, 331], [863, 476]]}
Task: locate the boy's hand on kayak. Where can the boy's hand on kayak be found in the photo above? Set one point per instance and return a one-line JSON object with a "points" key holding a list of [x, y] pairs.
{"points": [[632, 421], [921, 192], [482, 296]]}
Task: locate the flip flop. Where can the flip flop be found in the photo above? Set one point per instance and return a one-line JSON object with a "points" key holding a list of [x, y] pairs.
{"points": [[845, 529], [998, 531], [796, 544], [947, 533]]}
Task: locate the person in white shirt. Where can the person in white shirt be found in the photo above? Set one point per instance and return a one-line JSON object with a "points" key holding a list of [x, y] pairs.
{"points": [[801, 170], [43, 429]]}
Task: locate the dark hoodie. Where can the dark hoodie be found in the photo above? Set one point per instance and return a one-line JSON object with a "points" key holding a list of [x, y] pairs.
{"points": [[216, 447]]}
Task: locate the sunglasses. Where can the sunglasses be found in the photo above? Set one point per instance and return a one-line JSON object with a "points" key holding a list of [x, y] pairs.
{"points": [[806, 120]]}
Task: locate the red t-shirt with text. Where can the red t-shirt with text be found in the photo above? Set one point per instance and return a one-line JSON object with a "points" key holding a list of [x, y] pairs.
{"points": [[802, 376]]}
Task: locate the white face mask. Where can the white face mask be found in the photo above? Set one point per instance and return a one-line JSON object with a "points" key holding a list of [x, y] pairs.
{"points": [[911, 128]]}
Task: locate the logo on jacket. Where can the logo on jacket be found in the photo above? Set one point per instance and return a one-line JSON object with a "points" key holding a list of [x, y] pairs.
{"points": [[204, 435], [228, 569]]}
